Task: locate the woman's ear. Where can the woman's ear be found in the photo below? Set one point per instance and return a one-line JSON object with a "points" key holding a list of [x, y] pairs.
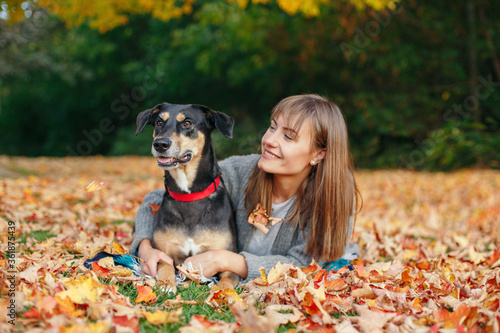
{"points": [[320, 155]]}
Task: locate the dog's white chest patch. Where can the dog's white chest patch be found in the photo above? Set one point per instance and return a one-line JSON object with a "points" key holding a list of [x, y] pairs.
{"points": [[190, 248], [182, 181]]}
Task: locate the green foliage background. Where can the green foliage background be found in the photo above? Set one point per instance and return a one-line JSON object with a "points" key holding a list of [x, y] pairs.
{"points": [[406, 80]]}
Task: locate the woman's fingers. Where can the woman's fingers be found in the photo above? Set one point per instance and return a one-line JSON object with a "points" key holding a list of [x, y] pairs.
{"points": [[152, 266], [145, 268], [164, 257]]}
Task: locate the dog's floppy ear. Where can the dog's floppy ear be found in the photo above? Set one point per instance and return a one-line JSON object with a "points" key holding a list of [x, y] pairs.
{"points": [[219, 120], [144, 118]]}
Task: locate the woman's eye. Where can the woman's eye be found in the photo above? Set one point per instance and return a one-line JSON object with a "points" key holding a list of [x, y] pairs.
{"points": [[272, 128], [288, 137], [187, 123], [159, 123]]}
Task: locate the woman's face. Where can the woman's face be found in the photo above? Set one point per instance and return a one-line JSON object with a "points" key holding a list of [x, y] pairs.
{"points": [[286, 152]]}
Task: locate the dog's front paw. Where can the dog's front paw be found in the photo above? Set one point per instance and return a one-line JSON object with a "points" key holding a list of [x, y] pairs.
{"points": [[166, 276], [228, 280]]}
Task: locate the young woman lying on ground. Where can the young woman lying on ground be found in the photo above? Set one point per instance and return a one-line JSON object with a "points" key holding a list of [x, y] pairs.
{"points": [[303, 175]]}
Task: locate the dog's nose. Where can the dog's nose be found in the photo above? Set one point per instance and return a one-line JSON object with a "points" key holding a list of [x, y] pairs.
{"points": [[162, 145]]}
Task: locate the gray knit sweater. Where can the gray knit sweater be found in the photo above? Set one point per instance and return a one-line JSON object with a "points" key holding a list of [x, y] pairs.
{"points": [[289, 245]]}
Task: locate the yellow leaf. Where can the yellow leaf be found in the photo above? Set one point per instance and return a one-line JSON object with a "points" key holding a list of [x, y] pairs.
{"points": [[162, 317], [94, 186], [81, 290]]}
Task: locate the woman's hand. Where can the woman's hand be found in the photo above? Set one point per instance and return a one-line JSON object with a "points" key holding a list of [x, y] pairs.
{"points": [[151, 257], [213, 262]]}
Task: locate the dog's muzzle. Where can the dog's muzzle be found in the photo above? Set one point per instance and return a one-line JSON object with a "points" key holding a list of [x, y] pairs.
{"points": [[167, 162], [162, 145]]}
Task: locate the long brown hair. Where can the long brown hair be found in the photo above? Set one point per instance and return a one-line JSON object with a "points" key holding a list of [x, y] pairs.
{"points": [[329, 194]]}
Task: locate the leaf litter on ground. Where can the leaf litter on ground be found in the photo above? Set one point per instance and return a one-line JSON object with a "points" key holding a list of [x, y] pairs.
{"points": [[429, 261]]}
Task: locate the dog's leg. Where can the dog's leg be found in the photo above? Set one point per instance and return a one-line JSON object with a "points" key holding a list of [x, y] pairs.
{"points": [[228, 280], [166, 274]]}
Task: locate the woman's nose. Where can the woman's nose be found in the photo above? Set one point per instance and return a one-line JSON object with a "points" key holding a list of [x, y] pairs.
{"points": [[269, 138]]}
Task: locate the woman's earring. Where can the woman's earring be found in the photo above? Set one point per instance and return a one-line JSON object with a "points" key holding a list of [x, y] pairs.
{"points": [[313, 162]]}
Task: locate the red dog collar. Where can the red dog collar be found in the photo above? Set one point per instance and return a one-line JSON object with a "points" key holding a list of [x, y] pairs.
{"points": [[197, 195]]}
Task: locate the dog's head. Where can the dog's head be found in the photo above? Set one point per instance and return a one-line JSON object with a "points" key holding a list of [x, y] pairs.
{"points": [[181, 132]]}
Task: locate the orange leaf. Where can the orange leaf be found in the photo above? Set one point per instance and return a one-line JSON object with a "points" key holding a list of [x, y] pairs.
{"points": [[154, 208], [313, 267], [360, 270], [452, 319], [145, 295], [67, 307], [492, 305], [424, 265], [416, 304], [495, 256], [334, 284]]}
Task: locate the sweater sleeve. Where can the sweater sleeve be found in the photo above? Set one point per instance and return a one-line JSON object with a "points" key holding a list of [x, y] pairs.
{"points": [[144, 220], [235, 173], [295, 255]]}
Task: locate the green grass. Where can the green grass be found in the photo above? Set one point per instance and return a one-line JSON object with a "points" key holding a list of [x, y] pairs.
{"points": [[190, 293], [38, 235]]}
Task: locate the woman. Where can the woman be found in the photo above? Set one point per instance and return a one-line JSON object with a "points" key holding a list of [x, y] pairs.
{"points": [[303, 175]]}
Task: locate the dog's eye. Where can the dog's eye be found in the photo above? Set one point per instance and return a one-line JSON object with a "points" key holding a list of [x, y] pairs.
{"points": [[187, 123], [159, 123]]}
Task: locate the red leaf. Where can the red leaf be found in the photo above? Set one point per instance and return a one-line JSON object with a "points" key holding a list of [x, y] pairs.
{"points": [[203, 321], [100, 270], [32, 217], [120, 234], [319, 277], [132, 323], [310, 325], [33, 314]]}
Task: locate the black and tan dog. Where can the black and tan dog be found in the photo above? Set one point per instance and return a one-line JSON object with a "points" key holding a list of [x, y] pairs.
{"points": [[195, 215]]}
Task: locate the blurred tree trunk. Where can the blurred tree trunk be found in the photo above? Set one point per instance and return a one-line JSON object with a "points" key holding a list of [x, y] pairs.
{"points": [[489, 43], [473, 68]]}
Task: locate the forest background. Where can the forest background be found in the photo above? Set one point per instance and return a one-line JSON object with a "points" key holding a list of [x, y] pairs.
{"points": [[418, 81]]}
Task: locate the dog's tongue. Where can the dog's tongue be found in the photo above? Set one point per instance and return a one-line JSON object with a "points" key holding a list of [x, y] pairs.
{"points": [[166, 160]]}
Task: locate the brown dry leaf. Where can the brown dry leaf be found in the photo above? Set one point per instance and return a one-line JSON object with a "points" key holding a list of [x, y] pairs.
{"points": [[193, 275], [277, 272], [251, 322], [260, 220], [428, 242], [283, 314], [364, 292]]}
